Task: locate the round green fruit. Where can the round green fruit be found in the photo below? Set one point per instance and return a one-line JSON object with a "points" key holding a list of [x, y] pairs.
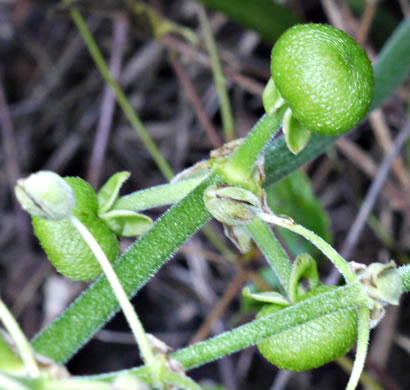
{"points": [[324, 76], [65, 247], [312, 344]]}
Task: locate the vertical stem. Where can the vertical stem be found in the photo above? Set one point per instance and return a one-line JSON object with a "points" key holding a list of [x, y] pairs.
{"points": [[121, 97], [362, 345], [269, 245], [129, 312], [18, 337], [242, 162], [219, 79]]}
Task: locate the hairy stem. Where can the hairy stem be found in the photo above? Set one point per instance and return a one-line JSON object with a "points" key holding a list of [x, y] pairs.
{"points": [[272, 250], [157, 196], [317, 241], [134, 268], [128, 310], [240, 166], [362, 346], [343, 298]]}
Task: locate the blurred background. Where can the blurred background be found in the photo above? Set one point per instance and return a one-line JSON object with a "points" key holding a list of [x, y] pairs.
{"points": [[57, 113]]}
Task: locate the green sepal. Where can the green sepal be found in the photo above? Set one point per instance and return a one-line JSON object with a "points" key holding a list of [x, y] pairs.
{"points": [[296, 135], [304, 267], [266, 297], [125, 223], [239, 236], [109, 192], [271, 97], [231, 205]]}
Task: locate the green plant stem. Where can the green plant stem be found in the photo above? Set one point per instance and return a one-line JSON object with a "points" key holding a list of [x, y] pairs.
{"points": [[365, 379], [317, 241], [157, 196], [83, 318], [134, 268], [258, 330], [405, 277], [343, 298], [219, 79], [8, 382], [362, 346], [240, 166], [74, 385], [129, 312], [272, 250], [120, 96], [23, 346], [180, 381]]}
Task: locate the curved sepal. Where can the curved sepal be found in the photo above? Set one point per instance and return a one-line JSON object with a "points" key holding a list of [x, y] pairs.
{"points": [[296, 135], [271, 97], [304, 268], [266, 297], [231, 205], [109, 192], [125, 223], [239, 236]]}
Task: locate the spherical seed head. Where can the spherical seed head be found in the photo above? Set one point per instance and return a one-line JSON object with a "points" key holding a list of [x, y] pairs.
{"points": [[325, 77]]}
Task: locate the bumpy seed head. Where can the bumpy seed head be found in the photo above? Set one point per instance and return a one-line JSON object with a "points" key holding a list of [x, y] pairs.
{"points": [[64, 245], [312, 344], [324, 76]]}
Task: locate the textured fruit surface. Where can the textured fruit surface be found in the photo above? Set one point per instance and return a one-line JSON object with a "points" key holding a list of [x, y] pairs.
{"points": [[312, 344], [64, 246], [324, 76]]}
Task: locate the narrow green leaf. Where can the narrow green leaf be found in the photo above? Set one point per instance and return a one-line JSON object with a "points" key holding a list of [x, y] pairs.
{"points": [[346, 297]]}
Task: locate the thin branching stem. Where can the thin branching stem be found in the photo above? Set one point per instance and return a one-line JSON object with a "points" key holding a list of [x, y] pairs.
{"points": [[128, 310], [120, 95], [219, 79]]}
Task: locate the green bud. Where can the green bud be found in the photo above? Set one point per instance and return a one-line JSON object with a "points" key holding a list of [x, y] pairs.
{"points": [[382, 282], [45, 194], [231, 205]]}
